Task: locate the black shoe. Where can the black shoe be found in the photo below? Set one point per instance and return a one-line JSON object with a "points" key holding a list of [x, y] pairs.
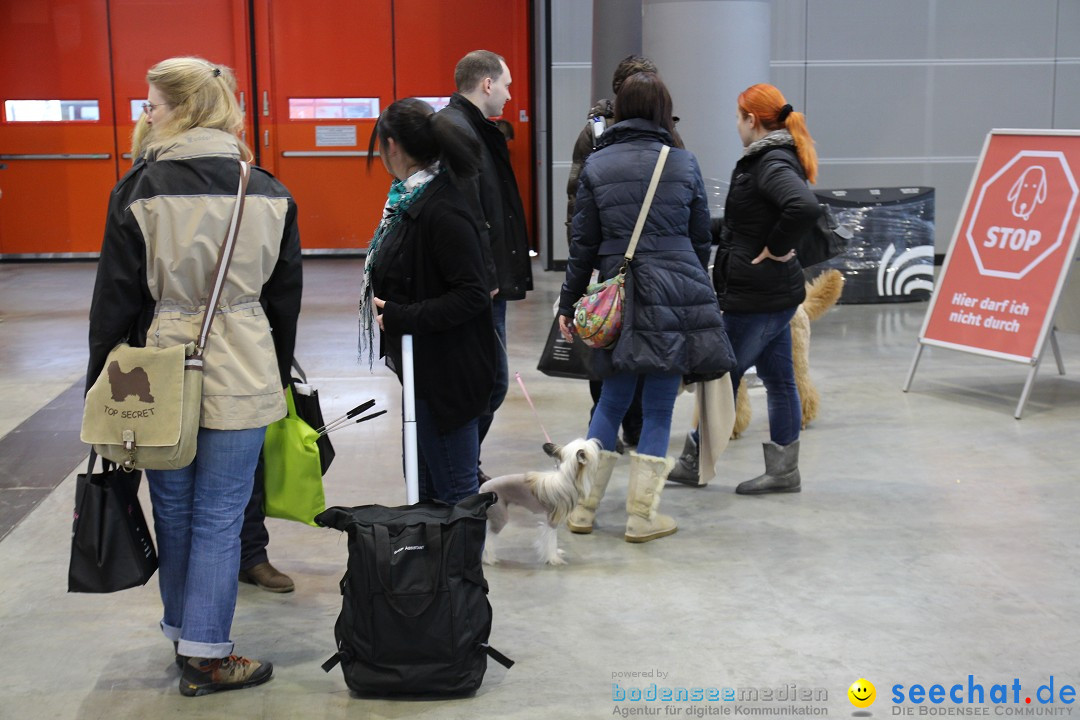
{"points": [[202, 676], [179, 659], [481, 477]]}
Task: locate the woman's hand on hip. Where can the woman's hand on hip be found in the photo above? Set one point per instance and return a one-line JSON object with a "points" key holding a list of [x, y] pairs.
{"points": [[379, 305], [566, 329], [766, 255]]}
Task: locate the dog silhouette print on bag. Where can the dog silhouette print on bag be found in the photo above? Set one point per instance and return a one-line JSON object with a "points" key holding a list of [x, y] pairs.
{"points": [[133, 382]]}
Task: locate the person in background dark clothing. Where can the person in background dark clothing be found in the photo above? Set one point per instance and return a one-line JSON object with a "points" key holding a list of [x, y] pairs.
{"points": [[483, 89], [600, 119], [255, 567], [757, 275], [424, 276]]}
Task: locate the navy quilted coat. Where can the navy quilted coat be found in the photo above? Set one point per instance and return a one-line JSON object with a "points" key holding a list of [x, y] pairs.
{"points": [[673, 324]]}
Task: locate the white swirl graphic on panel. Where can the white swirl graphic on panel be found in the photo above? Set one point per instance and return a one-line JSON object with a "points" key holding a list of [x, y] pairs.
{"points": [[906, 273]]}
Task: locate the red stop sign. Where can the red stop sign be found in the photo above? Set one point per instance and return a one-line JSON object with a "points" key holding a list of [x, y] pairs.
{"points": [[1021, 212]]}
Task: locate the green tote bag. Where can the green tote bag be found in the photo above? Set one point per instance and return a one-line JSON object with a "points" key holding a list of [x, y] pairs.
{"points": [[292, 470]]}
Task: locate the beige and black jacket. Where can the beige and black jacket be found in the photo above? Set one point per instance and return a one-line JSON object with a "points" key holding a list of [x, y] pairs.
{"points": [[166, 221]]}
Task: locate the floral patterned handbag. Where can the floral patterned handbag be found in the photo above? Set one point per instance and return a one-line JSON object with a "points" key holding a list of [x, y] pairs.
{"points": [[598, 314]]}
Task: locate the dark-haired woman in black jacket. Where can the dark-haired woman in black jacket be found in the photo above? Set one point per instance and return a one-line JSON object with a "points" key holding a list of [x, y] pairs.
{"points": [[424, 276]]}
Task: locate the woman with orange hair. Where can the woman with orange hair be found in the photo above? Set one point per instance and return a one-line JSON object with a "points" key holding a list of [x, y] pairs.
{"points": [[757, 275]]}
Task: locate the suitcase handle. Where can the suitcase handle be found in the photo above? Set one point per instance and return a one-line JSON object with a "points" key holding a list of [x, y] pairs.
{"points": [[433, 553]]}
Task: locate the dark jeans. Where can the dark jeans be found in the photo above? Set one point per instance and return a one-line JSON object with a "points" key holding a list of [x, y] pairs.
{"points": [[502, 370], [631, 422], [447, 463], [253, 535], [764, 340]]}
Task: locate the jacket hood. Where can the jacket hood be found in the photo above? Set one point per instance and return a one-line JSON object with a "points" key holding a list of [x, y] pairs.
{"points": [[777, 138], [634, 129], [196, 142]]}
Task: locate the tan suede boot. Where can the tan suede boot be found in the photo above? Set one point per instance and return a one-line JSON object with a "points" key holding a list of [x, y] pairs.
{"points": [[582, 516], [647, 475]]}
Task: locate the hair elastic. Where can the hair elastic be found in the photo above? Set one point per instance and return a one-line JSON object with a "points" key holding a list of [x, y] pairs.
{"points": [[217, 73], [784, 112]]}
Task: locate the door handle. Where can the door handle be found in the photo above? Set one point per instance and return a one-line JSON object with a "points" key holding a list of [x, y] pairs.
{"points": [[266, 138], [243, 108], [266, 103]]}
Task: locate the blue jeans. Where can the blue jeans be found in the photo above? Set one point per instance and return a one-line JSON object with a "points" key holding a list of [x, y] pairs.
{"points": [[198, 512], [502, 369], [657, 401], [764, 340], [448, 462]]}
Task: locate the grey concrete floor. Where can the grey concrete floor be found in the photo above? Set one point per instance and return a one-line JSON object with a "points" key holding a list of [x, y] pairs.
{"points": [[935, 538]]}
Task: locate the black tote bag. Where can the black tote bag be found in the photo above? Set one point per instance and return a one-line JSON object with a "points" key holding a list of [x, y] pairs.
{"points": [[309, 410], [562, 359], [111, 548]]}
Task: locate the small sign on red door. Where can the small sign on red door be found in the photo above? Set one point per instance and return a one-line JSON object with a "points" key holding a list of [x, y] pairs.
{"points": [[1013, 247]]}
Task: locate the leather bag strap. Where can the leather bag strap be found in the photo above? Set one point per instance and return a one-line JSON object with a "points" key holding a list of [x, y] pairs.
{"points": [[224, 260], [657, 172]]}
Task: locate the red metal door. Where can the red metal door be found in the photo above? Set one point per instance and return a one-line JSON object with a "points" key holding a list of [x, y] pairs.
{"points": [[57, 152], [325, 72], [145, 33]]}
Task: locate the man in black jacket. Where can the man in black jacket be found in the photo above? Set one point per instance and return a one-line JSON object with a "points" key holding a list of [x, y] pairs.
{"points": [[483, 83]]}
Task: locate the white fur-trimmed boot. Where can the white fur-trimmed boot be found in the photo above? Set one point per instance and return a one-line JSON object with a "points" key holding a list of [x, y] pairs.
{"points": [[582, 516], [643, 522], [781, 471]]}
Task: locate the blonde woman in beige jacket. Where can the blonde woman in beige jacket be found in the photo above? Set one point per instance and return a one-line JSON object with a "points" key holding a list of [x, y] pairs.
{"points": [[166, 221]]}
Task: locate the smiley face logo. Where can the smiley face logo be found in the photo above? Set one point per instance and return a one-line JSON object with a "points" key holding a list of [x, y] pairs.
{"points": [[862, 693]]}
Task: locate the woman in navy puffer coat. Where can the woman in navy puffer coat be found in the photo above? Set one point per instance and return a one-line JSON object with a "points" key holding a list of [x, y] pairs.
{"points": [[672, 327]]}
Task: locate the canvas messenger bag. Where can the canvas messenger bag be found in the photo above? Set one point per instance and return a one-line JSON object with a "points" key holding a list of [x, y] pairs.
{"points": [[143, 411]]}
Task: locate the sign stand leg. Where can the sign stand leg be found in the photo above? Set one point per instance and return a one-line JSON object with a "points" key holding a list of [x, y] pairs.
{"points": [[914, 364], [1027, 390], [1057, 351]]}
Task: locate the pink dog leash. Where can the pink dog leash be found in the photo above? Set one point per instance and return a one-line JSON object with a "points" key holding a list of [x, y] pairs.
{"points": [[529, 399], [521, 384]]}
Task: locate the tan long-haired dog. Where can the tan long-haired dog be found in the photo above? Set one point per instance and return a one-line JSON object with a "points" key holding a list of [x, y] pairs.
{"points": [[821, 295], [549, 496]]}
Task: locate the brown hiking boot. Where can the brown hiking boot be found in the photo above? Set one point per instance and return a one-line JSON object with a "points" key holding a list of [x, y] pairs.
{"points": [[202, 676], [267, 577]]}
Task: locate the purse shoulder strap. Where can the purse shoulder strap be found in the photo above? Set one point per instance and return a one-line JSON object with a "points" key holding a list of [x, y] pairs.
{"points": [[657, 172], [224, 259]]}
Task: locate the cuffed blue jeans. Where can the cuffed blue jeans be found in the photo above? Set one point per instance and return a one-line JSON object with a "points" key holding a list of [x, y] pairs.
{"points": [[764, 340], [657, 401], [448, 462], [198, 513]]}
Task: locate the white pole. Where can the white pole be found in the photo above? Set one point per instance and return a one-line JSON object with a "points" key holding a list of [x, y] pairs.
{"points": [[412, 484]]}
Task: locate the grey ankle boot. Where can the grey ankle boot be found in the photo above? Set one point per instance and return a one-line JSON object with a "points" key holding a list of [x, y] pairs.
{"points": [[686, 467], [781, 471]]}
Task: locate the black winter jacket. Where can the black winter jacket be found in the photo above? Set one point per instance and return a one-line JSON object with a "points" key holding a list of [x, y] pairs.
{"points": [[768, 204], [493, 196], [429, 272], [674, 325]]}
